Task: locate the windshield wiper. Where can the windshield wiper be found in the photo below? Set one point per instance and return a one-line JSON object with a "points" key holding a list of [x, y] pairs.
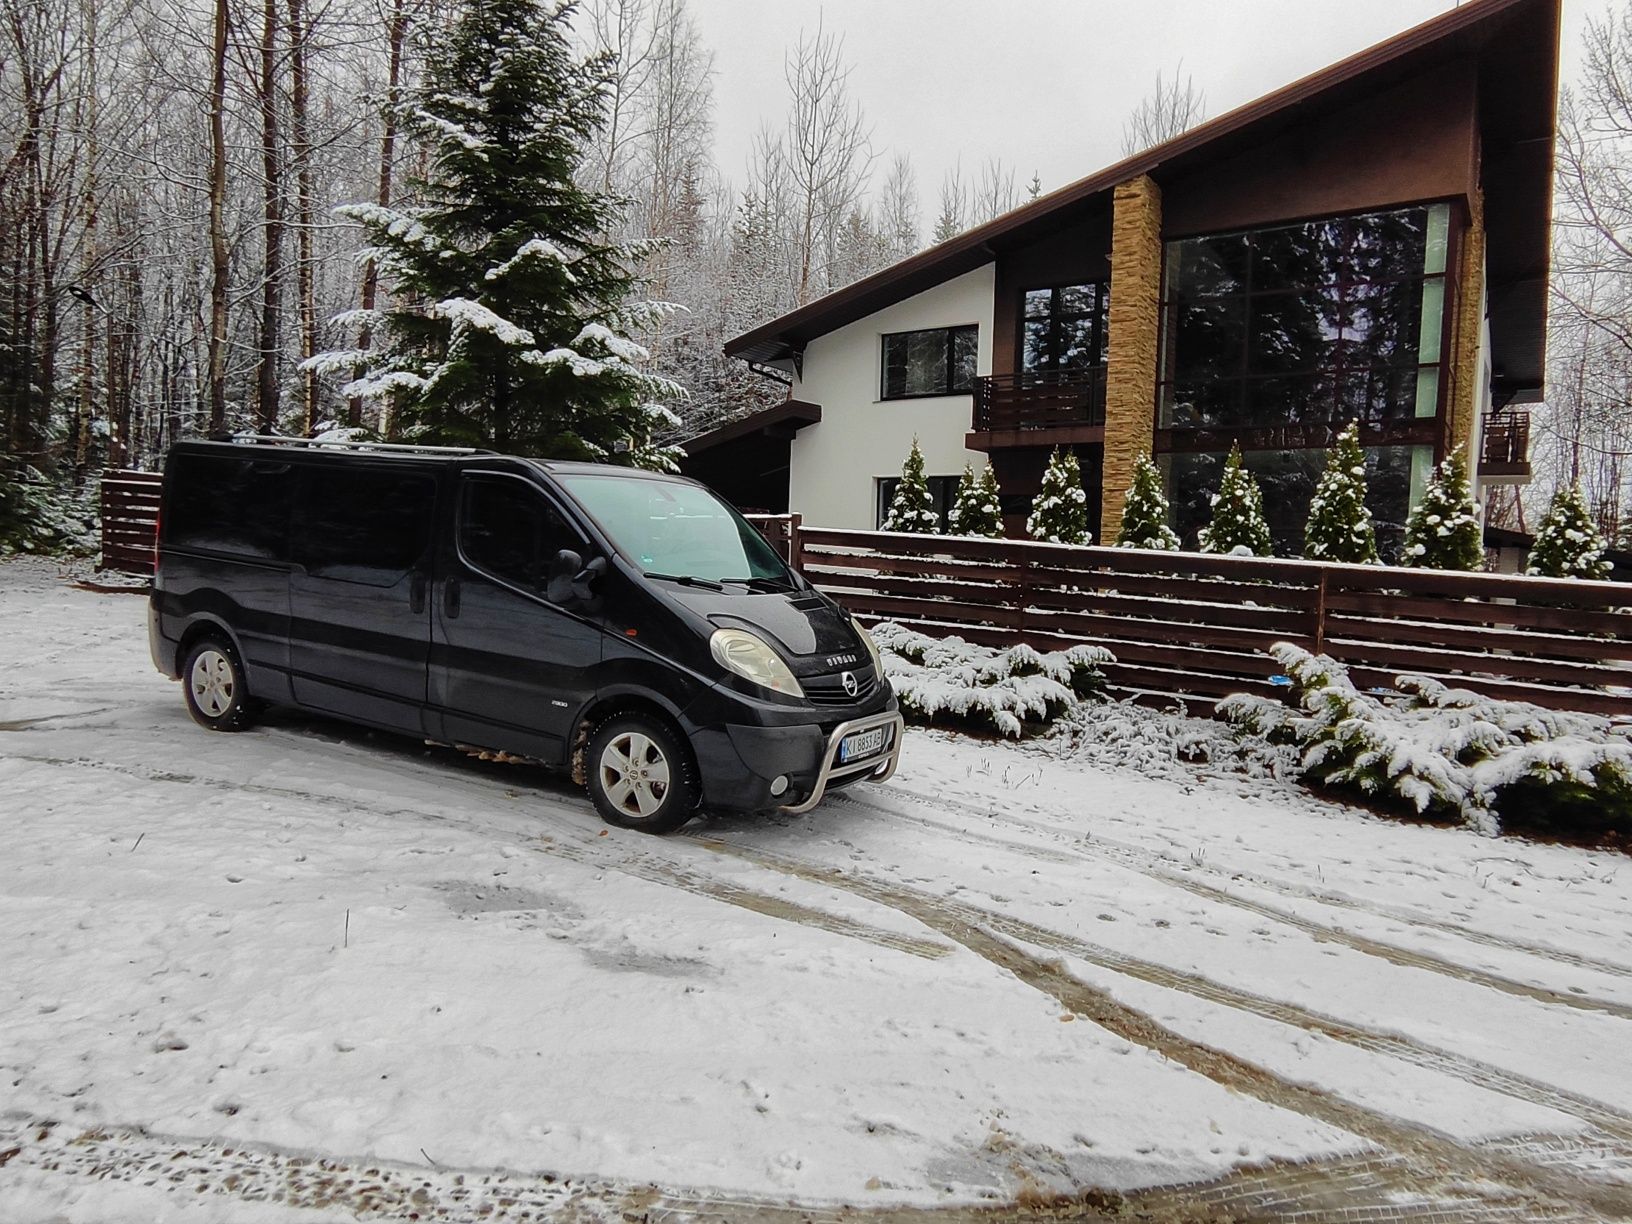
{"points": [[687, 580], [770, 583]]}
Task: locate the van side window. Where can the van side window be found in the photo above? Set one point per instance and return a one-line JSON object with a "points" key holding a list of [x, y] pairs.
{"points": [[230, 505], [511, 532], [362, 525]]}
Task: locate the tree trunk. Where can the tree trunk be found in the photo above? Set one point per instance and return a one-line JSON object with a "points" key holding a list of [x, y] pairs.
{"points": [[301, 150], [396, 34], [266, 376], [219, 256]]}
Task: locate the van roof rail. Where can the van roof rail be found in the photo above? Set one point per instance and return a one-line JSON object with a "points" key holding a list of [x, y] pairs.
{"points": [[363, 445]]}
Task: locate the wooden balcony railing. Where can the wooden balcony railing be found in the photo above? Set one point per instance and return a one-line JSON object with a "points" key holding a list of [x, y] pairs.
{"points": [[1040, 399], [1506, 450]]}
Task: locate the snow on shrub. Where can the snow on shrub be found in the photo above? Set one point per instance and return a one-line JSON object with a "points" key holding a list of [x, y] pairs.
{"points": [[1568, 543], [1442, 750], [985, 686]]}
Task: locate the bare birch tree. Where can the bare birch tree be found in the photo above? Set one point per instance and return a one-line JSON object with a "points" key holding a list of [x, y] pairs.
{"points": [[1171, 107]]}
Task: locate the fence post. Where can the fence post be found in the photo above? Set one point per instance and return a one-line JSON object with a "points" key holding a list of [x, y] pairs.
{"points": [[1320, 613], [796, 545]]}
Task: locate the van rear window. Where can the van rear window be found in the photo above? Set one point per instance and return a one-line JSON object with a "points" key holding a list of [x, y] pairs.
{"points": [[229, 505], [363, 524]]}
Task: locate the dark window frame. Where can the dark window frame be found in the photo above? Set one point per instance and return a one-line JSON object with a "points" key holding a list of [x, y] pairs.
{"points": [[473, 476], [1055, 317], [951, 387], [1243, 378]]}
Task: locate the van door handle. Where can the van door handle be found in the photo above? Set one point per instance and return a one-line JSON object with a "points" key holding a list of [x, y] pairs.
{"points": [[416, 593], [450, 598]]}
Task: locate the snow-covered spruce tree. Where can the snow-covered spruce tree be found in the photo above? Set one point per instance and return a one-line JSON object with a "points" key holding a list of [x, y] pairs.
{"points": [[1568, 543], [1059, 513], [510, 306], [1239, 528], [976, 510], [1443, 530], [1340, 527], [1144, 513], [912, 508]]}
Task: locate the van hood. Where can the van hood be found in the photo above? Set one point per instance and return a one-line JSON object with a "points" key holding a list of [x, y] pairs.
{"points": [[805, 626]]}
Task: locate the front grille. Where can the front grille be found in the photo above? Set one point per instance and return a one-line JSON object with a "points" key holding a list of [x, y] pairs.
{"points": [[829, 689]]}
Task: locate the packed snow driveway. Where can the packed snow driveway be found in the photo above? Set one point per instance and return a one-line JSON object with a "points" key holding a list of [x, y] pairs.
{"points": [[312, 973]]}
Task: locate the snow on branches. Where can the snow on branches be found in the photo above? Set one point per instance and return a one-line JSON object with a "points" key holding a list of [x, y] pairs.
{"points": [[1239, 528], [1059, 513], [1340, 527], [1568, 543], [1441, 750], [1145, 512], [1443, 531], [976, 510], [1003, 690], [912, 509]]}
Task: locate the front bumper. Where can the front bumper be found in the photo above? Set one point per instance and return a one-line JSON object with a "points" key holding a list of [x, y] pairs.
{"points": [[876, 768]]}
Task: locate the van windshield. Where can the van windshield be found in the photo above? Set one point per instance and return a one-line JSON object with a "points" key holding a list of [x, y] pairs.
{"points": [[674, 530]]}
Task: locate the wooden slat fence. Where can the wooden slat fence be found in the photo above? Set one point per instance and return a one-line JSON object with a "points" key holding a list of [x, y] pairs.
{"points": [[1197, 627], [130, 520]]}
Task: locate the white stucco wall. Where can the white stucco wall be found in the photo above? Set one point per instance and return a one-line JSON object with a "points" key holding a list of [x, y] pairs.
{"points": [[835, 464]]}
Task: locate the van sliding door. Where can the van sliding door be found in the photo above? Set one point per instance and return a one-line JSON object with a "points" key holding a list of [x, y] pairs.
{"points": [[359, 640]]}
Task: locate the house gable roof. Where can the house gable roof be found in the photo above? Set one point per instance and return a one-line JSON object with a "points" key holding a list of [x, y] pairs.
{"points": [[1514, 44]]}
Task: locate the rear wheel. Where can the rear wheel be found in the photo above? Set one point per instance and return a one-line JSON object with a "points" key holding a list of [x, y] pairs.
{"points": [[213, 680], [640, 774]]}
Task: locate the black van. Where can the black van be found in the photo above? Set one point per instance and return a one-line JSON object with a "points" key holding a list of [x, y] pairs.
{"points": [[627, 625]]}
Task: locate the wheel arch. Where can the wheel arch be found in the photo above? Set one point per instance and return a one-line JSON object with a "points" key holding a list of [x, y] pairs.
{"points": [[611, 702]]}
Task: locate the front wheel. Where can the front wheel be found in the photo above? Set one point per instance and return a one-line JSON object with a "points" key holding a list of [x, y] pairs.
{"points": [[213, 679], [640, 775]]}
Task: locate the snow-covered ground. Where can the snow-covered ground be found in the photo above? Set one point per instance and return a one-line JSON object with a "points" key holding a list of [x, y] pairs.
{"points": [[311, 973]]}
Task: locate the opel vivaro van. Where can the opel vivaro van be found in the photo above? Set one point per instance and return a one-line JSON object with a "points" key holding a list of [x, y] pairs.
{"points": [[628, 626]]}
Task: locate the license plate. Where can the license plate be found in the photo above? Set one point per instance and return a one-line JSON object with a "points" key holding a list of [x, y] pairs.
{"points": [[861, 744]]}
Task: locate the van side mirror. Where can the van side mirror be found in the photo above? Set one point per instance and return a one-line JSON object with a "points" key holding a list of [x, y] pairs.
{"points": [[571, 580]]}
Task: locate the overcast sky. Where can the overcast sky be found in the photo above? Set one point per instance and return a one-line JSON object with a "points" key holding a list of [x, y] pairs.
{"points": [[1045, 84]]}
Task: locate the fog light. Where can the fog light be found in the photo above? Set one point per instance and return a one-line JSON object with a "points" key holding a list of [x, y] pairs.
{"points": [[779, 784]]}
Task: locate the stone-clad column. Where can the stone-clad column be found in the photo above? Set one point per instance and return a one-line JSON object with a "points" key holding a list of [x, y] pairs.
{"points": [[1466, 327], [1130, 374]]}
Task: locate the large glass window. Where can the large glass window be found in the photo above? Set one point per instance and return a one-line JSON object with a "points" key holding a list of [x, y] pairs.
{"points": [[1065, 328], [510, 531], [1324, 321], [230, 505], [938, 362], [676, 529], [365, 525]]}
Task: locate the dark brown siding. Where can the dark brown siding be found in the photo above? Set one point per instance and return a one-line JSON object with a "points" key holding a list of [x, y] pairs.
{"points": [[1415, 141]]}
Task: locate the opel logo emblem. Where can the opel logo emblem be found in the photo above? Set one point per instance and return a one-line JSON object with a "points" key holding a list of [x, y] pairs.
{"points": [[850, 685]]}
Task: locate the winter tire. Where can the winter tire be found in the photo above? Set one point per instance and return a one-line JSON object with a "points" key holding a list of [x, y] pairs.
{"points": [[640, 774], [213, 679]]}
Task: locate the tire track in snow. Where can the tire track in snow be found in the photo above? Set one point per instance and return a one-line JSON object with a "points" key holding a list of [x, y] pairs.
{"points": [[974, 928], [1147, 863], [1363, 1188], [633, 862]]}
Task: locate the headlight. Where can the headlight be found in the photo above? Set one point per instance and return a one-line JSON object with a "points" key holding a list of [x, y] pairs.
{"points": [[872, 647], [748, 656]]}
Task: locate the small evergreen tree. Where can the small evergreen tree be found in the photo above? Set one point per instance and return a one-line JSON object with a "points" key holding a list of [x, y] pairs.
{"points": [[1443, 530], [976, 511], [1340, 527], [510, 306], [1239, 528], [912, 508], [1568, 543], [1144, 513], [1059, 513]]}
